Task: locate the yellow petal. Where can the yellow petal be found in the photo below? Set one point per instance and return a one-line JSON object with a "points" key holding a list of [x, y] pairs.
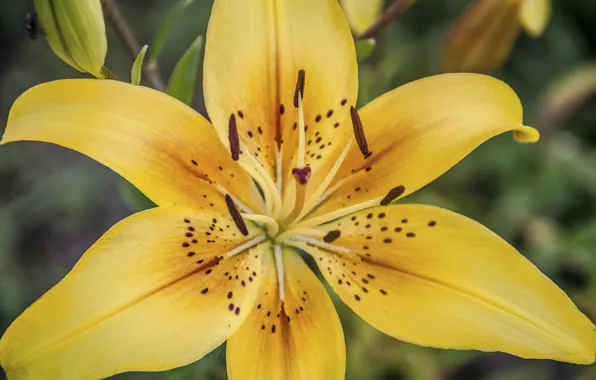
{"points": [[483, 37], [253, 53], [300, 338], [166, 149], [420, 130], [535, 15], [435, 278], [138, 300], [362, 13]]}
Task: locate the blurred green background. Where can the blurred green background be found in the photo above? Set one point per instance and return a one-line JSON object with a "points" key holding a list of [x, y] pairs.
{"points": [[55, 203]]}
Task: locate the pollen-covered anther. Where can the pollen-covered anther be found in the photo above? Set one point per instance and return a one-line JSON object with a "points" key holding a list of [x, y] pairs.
{"points": [[332, 236], [359, 132], [236, 216], [233, 138], [393, 194], [302, 175], [299, 92]]}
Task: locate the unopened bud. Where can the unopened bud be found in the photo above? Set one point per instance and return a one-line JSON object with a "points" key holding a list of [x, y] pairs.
{"points": [[76, 32]]}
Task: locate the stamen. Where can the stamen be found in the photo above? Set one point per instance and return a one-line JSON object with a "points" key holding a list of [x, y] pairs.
{"points": [[310, 232], [272, 195], [359, 131], [239, 203], [279, 266], [279, 170], [329, 192], [392, 195], [316, 221], [272, 226], [317, 243], [331, 236], [302, 174], [289, 201], [299, 92], [236, 216], [233, 138], [243, 247]]}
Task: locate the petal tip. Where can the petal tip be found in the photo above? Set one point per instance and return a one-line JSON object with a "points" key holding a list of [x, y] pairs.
{"points": [[526, 135]]}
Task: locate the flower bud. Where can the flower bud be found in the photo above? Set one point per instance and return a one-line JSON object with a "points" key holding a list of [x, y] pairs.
{"points": [[483, 37], [76, 32]]}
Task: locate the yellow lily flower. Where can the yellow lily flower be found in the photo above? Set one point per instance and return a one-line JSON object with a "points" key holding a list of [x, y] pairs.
{"points": [[217, 261], [483, 37]]}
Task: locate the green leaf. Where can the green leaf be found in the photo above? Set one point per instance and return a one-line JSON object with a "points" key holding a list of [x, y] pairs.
{"points": [[182, 83], [134, 198], [164, 30], [364, 48], [137, 66]]}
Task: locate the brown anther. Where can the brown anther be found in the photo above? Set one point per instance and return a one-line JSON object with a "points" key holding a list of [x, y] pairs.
{"points": [[331, 236], [236, 216], [299, 87], [302, 175], [359, 131], [233, 138], [393, 194]]}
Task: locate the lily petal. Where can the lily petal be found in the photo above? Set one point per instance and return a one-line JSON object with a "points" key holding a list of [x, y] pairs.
{"points": [[165, 148], [253, 54], [535, 15], [435, 278], [361, 14], [298, 338], [483, 37], [145, 297], [420, 130]]}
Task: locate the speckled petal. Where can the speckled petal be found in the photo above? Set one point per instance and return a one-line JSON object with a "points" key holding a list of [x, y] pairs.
{"points": [[253, 54], [300, 338], [418, 131], [165, 148], [435, 278], [152, 294]]}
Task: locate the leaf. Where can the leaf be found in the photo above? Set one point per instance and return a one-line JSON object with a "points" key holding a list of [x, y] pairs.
{"points": [[166, 27], [364, 48], [137, 66], [182, 83], [134, 198]]}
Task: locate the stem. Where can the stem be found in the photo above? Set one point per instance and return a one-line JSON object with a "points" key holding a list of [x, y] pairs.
{"points": [[391, 13], [126, 35]]}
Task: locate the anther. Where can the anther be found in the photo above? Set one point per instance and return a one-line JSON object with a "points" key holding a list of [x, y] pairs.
{"points": [[332, 236], [233, 138], [302, 175], [236, 216], [299, 87], [359, 131], [392, 195]]}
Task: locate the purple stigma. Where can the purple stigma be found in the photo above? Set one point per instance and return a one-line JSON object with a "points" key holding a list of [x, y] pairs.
{"points": [[302, 174]]}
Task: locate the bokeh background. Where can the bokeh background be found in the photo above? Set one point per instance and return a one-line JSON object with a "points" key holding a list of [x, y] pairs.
{"points": [[55, 203]]}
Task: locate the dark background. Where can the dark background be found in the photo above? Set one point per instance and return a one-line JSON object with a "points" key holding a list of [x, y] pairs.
{"points": [[55, 203]]}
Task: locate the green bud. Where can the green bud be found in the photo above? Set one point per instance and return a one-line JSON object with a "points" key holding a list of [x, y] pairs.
{"points": [[76, 32]]}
